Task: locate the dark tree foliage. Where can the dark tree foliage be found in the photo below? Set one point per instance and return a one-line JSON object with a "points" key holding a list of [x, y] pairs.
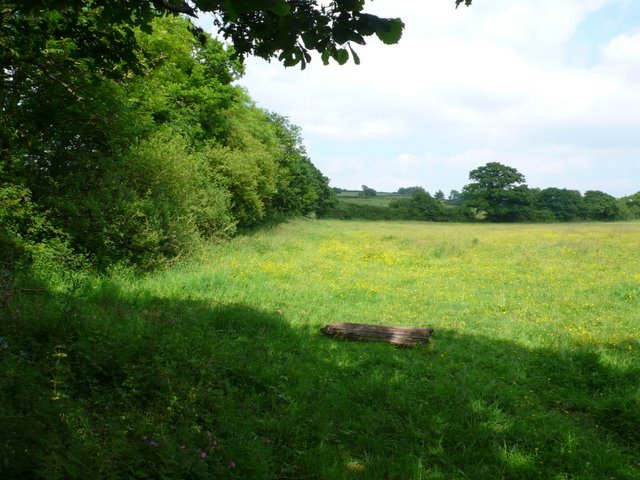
{"points": [[424, 205], [368, 191], [565, 205], [600, 206], [420, 206], [494, 176], [499, 192], [408, 190], [631, 204], [455, 197]]}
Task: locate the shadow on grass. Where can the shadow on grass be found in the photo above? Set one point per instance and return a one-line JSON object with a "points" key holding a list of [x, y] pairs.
{"points": [[163, 388]]}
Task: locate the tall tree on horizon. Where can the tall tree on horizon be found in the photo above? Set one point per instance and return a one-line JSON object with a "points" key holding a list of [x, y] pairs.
{"points": [[499, 192]]}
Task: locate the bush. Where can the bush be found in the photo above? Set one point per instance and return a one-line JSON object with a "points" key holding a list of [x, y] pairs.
{"points": [[353, 211], [32, 251], [151, 203]]}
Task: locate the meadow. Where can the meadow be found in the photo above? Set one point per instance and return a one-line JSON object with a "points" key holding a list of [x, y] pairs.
{"points": [[215, 367], [379, 200]]}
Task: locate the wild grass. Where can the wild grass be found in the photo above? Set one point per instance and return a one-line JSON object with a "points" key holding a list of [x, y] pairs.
{"points": [[216, 369]]}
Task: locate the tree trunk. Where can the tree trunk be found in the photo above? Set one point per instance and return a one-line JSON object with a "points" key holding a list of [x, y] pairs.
{"points": [[401, 336]]}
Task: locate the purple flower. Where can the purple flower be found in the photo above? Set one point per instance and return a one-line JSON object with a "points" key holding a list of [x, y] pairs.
{"points": [[145, 437], [153, 443], [231, 464], [182, 447], [202, 454]]}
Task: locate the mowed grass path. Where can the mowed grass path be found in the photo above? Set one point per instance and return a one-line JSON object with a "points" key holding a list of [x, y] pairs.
{"points": [[533, 371]]}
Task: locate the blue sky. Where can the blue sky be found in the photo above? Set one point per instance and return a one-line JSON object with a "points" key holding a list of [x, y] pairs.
{"points": [[549, 87]]}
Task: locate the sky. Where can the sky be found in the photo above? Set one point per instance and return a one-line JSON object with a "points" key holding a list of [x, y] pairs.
{"points": [[549, 87]]}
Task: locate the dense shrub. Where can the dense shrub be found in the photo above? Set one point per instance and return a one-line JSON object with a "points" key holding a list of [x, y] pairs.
{"points": [[354, 211], [137, 166], [32, 250]]}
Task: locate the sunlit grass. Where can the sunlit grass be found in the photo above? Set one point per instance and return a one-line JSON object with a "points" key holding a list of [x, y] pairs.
{"points": [[537, 285], [532, 372]]}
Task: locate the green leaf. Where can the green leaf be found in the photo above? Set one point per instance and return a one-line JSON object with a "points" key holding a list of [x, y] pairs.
{"points": [[290, 58], [366, 24], [351, 5], [340, 33], [230, 8], [341, 56], [310, 39], [237, 7], [326, 55], [345, 33], [356, 38], [389, 30], [356, 58], [208, 5], [279, 7]]}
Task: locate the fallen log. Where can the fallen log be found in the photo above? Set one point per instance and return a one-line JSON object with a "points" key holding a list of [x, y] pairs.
{"points": [[401, 336]]}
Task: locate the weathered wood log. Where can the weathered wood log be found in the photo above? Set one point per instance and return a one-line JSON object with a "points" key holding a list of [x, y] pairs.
{"points": [[402, 336]]}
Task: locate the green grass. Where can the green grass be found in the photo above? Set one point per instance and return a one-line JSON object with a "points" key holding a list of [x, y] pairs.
{"points": [[532, 372]]}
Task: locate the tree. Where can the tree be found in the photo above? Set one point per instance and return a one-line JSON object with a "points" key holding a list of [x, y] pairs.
{"points": [[455, 196], [408, 190], [439, 195], [565, 205], [112, 160], [368, 192], [424, 206], [137, 169], [632, 204], [420, 206], [302, 187], [600, 206], [499, 192]]}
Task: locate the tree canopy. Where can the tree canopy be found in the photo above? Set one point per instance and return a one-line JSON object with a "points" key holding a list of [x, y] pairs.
{"points": [[499, 192], [289, 30], [564, 205], [137, 166], [600, 206]]}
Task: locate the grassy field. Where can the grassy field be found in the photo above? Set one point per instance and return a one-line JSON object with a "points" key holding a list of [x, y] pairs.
{"points": [[215, 368], [380, 200]]}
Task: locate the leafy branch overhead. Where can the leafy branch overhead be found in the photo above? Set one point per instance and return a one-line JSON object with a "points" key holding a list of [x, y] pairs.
{"points": [[289, 30]]}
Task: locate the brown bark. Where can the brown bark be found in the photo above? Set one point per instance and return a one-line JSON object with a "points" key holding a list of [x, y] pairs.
{"points": [[401, 336]]}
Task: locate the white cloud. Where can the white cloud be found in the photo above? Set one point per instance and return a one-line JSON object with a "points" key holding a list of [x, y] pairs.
{"points": [[621, 57], [351, 128]]}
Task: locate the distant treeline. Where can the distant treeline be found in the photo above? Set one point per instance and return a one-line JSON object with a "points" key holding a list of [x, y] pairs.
{"points": [[498, 194], [105, 162]]}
